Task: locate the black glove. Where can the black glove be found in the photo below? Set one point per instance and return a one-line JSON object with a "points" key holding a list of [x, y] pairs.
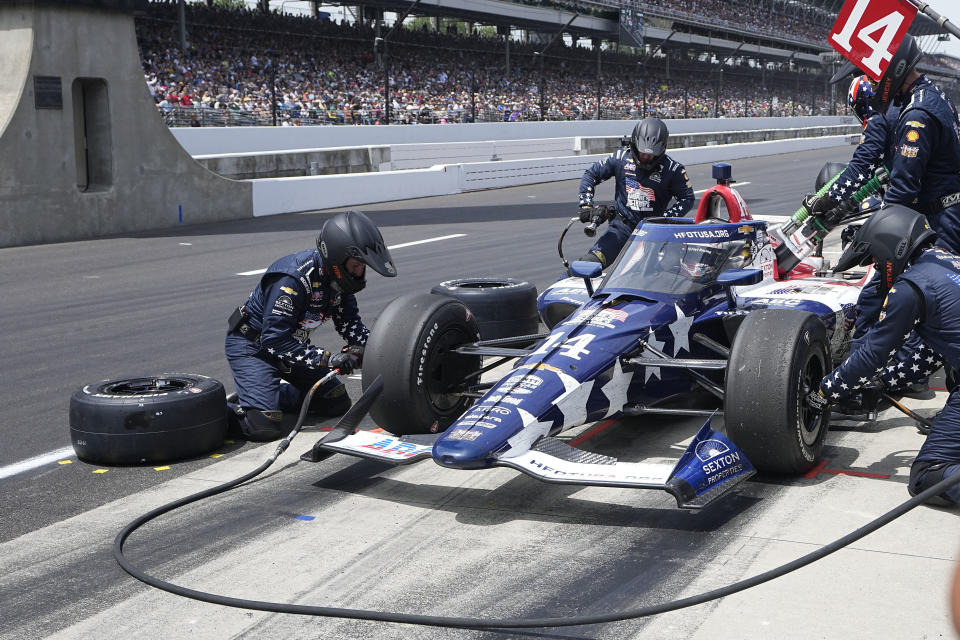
{"points": [[585, 212], [347, 360], [817, 401], [818, 205]]}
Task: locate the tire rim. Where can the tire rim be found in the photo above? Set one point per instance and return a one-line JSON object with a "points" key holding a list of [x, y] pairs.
{"points": [[811, 422], [491, 283], [145, 386], [445, 371]]}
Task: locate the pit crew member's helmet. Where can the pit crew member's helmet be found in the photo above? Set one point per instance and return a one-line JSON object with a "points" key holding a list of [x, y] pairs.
{"points": [[649, 138], [353, 235], [904, 60], [859, 96], [828, 171], [889, 238]]}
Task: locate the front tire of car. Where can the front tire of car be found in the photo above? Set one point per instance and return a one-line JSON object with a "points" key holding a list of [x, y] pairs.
{"points": [[411, 347], [777, 358]]}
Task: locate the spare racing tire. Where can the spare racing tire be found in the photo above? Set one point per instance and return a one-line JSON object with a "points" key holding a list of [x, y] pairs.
{"points": [[410, 346], [148, 420], [778, 357], [504, 307]]}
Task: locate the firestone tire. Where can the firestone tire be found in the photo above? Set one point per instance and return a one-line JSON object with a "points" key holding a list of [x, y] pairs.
{"points": [[777, 358], [411, 348], [145, 420], [504, 307]]}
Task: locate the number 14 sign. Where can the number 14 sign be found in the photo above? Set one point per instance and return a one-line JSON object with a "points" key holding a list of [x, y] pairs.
{"points": [[855, 33]]}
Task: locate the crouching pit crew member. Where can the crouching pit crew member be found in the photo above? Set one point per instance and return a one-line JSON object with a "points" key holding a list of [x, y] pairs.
{"points": [[647, 179], [268, 346], [921, 283]]}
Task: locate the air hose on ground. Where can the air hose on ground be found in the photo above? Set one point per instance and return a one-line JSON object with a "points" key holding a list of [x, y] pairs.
{"points": [[351, 420]]}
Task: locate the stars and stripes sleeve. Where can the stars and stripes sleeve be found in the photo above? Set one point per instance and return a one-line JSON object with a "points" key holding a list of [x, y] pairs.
{"points": [[594, 175], [868, 156], [347, 322], [682, 190], [901, 312]]}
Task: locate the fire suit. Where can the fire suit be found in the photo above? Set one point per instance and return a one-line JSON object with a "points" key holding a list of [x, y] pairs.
{"points": [[638, 194], [270, 346], [925, 298]]}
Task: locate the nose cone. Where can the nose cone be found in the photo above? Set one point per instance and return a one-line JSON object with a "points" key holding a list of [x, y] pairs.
{"points": [[460, 454]]}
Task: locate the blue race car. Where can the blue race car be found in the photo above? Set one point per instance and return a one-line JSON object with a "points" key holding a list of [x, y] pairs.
{"points": [[692, 319]]}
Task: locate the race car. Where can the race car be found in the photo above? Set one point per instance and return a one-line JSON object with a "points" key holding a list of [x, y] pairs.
{"points": [[692, 319]]}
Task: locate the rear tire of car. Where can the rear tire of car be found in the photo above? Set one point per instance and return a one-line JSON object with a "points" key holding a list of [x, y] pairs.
{"points": [[411, 348], [128, 421], [504, 307], [777, 358]]}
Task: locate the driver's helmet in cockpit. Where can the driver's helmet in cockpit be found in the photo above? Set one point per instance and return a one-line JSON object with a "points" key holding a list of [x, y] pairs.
{"points": [[703, 262]]}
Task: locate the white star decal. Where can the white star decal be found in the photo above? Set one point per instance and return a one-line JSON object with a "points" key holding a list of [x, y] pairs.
{"points": [[573, 404], [680, 328], [616, 388], [658, 345]]}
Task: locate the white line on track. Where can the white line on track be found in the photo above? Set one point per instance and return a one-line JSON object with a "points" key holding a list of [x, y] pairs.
{"points": [[257, 272], [37, 461]]}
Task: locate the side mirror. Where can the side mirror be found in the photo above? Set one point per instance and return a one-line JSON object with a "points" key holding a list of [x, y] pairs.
{"points": [[587, 269], [740, 277]]}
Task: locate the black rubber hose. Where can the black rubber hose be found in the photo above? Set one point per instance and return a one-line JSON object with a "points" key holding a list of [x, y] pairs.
{"points": [[486, 623]]}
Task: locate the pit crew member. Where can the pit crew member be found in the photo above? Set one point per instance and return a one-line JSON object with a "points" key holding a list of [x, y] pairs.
{"points": [[646, 181], [268, 346], [921, 285]]}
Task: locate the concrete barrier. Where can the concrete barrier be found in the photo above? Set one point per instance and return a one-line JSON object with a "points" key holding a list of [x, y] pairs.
{"points": [[220, 140], [280, 164], [288, 195]]}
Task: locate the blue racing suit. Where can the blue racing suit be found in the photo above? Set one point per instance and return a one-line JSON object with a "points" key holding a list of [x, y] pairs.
{"points": [[639, 194], [272, 342], [873, 152], [926, 299], [925, 173]]}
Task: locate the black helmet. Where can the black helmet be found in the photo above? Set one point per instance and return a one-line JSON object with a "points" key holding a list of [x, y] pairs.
{"points": [[827, 172], [353, 235], [649, 136], [888, 238]]}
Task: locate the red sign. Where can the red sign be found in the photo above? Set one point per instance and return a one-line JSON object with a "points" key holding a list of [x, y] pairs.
{"points": [[868, 32]]}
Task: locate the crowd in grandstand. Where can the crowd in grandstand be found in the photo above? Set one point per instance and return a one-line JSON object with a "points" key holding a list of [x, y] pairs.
{"points": [[321, 71]]}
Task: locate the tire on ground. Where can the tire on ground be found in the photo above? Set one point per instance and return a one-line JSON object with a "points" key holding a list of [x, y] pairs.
{"points": [[504, 307], [777, 358], [147, 420], [410, 347]]}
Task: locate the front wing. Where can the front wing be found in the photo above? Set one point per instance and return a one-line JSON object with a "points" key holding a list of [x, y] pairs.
{"points": [[710, 467]]}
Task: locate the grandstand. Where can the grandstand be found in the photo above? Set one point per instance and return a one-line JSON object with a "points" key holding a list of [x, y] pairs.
{"points": [[495, 60]]}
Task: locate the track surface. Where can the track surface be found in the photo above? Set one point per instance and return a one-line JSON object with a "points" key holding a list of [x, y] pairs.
{"points": [[419, 539]]}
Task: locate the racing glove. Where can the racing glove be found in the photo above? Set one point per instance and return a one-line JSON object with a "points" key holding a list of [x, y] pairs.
{"points": [[819, 205], [350, 358], [817, 401], [586, 212]]}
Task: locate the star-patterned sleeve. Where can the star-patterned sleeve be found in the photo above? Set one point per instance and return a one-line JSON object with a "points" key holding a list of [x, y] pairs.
{"points": [[901, 312], [914, 143], [682, 190], [282, 312], [347, 322], [594, 175], [868, 156]]}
